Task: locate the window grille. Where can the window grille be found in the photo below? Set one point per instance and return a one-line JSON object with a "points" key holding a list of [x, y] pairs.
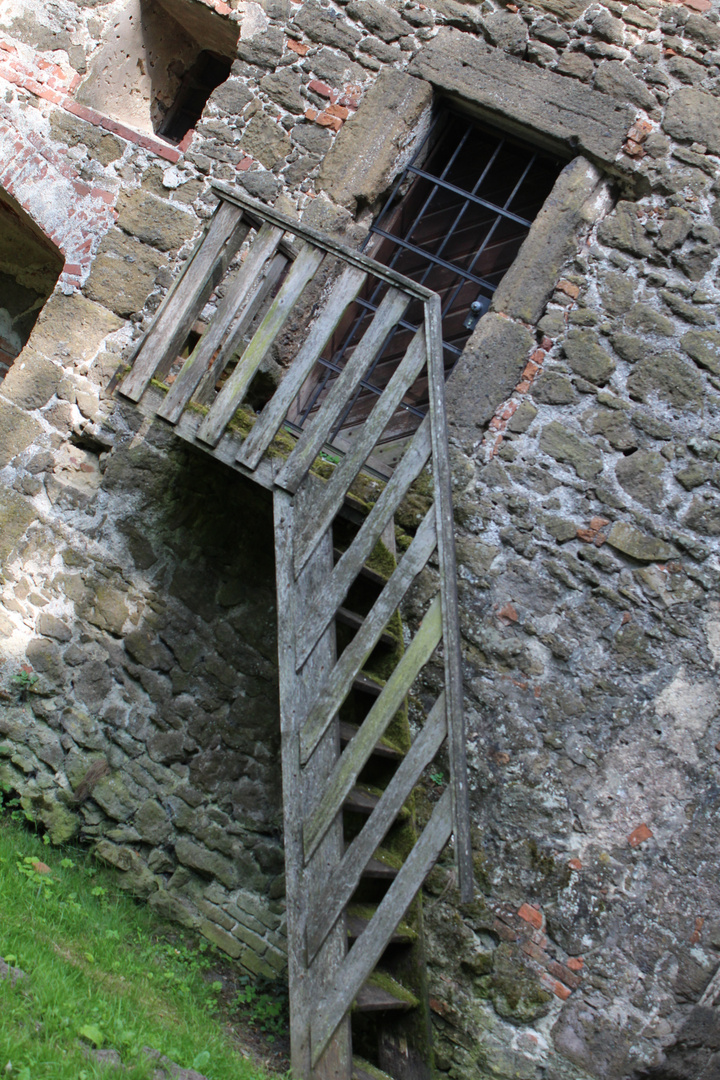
{"points": [[454, 222]]}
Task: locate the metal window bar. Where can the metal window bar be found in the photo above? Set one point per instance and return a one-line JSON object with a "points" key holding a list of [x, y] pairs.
{"points": [[434, 152]]}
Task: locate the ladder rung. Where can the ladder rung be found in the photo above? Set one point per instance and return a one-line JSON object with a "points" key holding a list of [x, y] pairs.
{"points": [[380, 994], [366, 572], [367, 685], [382, 749], [363, 1070], [378, 869], [360, 801], [355, 621], [404, 935]]}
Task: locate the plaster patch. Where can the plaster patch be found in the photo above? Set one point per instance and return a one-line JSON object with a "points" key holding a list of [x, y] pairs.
{"points": [[691, 705]]}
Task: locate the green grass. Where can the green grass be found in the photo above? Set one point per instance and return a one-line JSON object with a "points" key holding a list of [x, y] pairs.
{"points": [[101, 971]]}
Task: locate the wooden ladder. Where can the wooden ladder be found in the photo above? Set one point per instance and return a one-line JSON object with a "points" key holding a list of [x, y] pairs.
{"points": [[336, 825]]}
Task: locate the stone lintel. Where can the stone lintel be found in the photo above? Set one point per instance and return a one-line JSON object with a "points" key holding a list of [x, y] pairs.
{"points": [[546, 108]]}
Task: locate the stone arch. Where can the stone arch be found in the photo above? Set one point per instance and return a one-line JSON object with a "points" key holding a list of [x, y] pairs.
{"points": [[30, 265], [68, 213]]}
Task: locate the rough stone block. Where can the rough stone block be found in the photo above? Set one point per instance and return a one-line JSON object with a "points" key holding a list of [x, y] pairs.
{"points": [[571, 449], [694, 116], [638, 545], [154, 221], [32, 381], [490, 367], [368, 150], [123, 273], [519, 96], [17, 432], [72, 327], [265, 140], [16, 514], [526, 287]]}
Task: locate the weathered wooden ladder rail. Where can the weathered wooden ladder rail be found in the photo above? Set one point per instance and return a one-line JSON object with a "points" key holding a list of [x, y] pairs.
{"points": [[324, 866]]}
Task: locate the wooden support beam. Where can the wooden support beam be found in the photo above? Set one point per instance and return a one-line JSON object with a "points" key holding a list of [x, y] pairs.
{"points": [[348, 768], [186, 298], [332, 593], [442, 480], [233, 392], [271, 418], [313, 438], [332, 497], [237, 300], [346, 877], [331, 696], [369, 947]]}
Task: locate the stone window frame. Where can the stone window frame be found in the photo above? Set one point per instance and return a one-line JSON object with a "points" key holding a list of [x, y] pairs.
{"points": [[542, 108]]}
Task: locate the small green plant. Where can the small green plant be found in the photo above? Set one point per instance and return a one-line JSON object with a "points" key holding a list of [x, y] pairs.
{"points": [[25, 679], [265, 1002], [437, 778]]}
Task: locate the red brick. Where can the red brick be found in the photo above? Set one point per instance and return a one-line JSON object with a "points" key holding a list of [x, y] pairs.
{"points": [[72, 268], [639, 131], [82, 111], [695, 936], [311, 114], [320, 88], [555, 987], [574, 864], [575, 963], [534, 951], [639, 835], [531, 369], [185, 143], [503, 931], [507, 611], [568, 288], [297, 46], [531, 915], [560, 971], [586, 535], [222, 9], [698, 5], [523, 387], [339, 111], [245, 164], [546, 343]]}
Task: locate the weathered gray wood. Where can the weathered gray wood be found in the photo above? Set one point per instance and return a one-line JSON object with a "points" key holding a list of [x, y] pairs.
{"points": [[369, 947], [336, 489], [314, 437], [332, 593], [347, 770], [245, 287], [258, 211], [346, 877], [202, 273], [206, 391], [226, 450], [305, 886], [331, 696], [343, 293], [442, 481], [233, 392]]}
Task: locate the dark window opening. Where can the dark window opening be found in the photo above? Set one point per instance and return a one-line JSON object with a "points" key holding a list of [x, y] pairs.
{"points": [[205, 75], [454, 222], [29, 268]]}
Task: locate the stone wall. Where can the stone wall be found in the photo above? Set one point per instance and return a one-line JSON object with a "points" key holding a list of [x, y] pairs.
{"points": [[586, 450]]}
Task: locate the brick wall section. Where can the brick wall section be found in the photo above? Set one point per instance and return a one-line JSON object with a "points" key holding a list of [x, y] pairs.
{"points": [[76, 215]]}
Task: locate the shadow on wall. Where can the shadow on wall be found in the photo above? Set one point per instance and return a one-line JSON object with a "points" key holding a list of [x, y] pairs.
{"points": [[159, 63], [30, 265]]}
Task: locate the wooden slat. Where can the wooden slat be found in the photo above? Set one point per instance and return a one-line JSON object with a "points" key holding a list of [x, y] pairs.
{"points": [[354, 758], [330, 596], [355, 622], [332, 497], [313, 438], [206, 391], [305, 885], [442, 481], [381, 749], [332, 695], [375, 998], [346, 877], [368, 949], [170, 328], [343, 293], [240, 295], [258, 211], [233, 392]]}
